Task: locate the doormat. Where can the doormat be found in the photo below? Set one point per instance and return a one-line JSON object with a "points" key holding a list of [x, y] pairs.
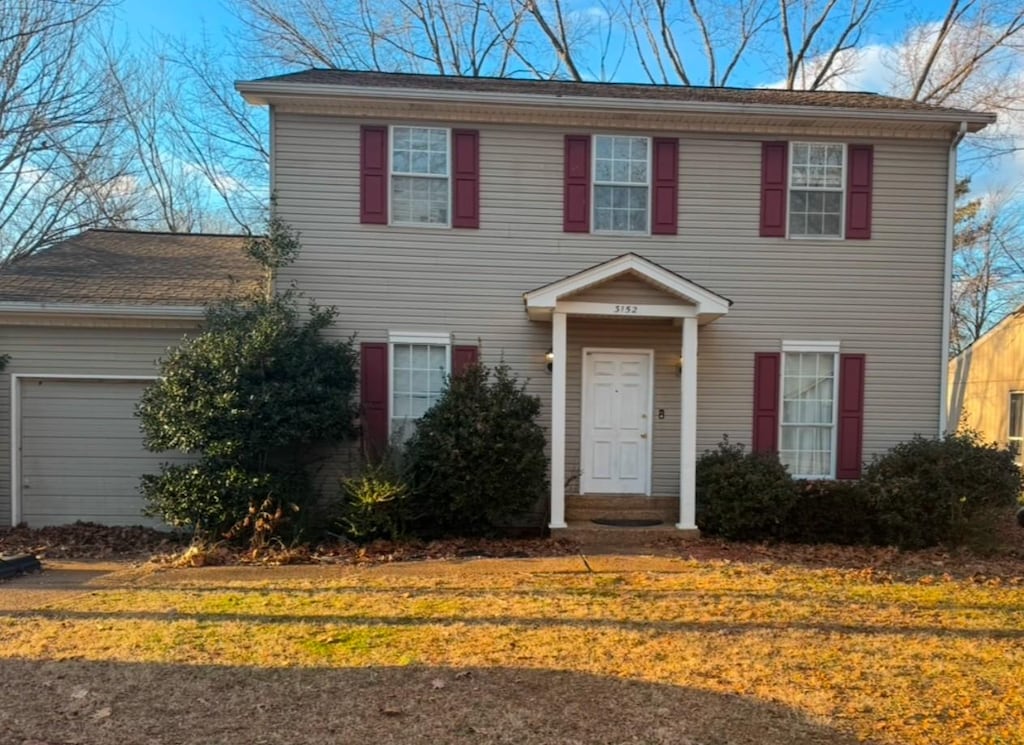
{"points": [[616, 522]]}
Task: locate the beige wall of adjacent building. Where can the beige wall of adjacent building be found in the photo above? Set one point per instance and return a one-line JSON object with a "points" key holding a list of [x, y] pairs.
{"points": [[982, 378]]}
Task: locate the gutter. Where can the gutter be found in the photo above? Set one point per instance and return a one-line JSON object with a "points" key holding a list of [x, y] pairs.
{"points": [[947, 296], [261, 93], [159, 312]]}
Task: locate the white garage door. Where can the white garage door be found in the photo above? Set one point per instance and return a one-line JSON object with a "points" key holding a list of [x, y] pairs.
{"points": [[82, 453]]}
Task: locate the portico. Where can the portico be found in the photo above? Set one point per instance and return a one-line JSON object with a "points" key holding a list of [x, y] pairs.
{"points": [[616, 388]]}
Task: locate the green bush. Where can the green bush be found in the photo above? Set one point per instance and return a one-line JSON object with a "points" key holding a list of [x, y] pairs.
{"points": [[214, 497], [476, 457], [830, 512], [929, 491], [375, 503], [253, 394], [740, 495]]}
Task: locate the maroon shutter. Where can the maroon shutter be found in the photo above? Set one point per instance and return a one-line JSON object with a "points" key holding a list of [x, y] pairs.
{"points": [[774, 156], [466, 174], [373, 175], [462, 358], [576, 207], [767, 367], [665, 200], [373, 397], [858, 191], [850, 437]]}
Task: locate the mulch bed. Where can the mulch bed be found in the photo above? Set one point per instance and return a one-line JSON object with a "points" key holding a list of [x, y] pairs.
{"points": [[86, 541]]}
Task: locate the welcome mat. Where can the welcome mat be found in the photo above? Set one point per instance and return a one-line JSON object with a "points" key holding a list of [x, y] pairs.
{"points": [[617, 522]]}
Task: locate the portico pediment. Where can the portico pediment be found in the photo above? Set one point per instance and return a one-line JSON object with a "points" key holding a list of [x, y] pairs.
{"points": [[628, 286]]}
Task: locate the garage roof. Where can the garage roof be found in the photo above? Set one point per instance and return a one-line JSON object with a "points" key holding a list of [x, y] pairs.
{"points": [[126, 267]]}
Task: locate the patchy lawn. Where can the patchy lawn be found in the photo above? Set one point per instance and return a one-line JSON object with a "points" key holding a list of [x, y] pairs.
{"points": [[614, 650]]}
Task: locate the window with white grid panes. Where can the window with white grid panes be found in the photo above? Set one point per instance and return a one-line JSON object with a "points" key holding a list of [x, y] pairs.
{"points": [[420, 185], [808, 413], [1015, 436], [621, 184], [417, 380], [816, 181]]}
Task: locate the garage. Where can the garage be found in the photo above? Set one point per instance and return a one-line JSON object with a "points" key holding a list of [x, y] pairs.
{"points": [[81, 451]]}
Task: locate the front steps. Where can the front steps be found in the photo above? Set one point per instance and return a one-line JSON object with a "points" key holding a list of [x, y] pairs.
{"points": [[587, 507]]}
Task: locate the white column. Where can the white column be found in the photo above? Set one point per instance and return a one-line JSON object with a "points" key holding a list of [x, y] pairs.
{"points": [[688, 430], [558, 347]]}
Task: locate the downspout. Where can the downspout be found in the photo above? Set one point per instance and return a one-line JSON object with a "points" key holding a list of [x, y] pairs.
{"points": [[947, 294]]}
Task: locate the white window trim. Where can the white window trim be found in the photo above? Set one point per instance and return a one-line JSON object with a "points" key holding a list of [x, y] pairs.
{"points": [[594, 185], [433, 338], [841, 190], [392, 174], [1010, 439], [813, 347]]}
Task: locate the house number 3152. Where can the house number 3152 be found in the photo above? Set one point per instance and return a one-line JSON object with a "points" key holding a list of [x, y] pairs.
{"points": [[625, 309]]}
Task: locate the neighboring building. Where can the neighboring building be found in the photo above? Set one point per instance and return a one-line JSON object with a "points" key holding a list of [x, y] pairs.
{"points": [[769, 265], [84, 323], [986, 385]]}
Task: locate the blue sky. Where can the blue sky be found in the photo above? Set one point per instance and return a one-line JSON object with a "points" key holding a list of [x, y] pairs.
{"points": [[140, 20]]}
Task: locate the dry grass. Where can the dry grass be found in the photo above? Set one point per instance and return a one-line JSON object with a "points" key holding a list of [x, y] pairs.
{"points": [[637, 650]]}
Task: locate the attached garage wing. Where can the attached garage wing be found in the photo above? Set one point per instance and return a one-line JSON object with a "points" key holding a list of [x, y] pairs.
{"points": [[81, 452]]}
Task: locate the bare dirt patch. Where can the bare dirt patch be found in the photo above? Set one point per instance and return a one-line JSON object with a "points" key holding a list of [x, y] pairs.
{"points": [[87, 702]]}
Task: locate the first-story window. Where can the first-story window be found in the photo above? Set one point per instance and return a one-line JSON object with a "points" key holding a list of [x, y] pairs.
{"points": [[420, 190], [808, 413], [816, 179], [1015, 437], [621, 183], [419, 367]]}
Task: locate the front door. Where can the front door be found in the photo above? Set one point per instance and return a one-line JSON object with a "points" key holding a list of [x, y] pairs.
{"points": [[616, 429]]}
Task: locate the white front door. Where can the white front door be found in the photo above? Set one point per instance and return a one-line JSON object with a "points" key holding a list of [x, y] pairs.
{"points": [[616, 436]]}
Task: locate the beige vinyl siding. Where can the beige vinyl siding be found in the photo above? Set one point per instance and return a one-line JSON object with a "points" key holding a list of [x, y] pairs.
{"points": [[81, 350], [982, 378], [881, 297]]}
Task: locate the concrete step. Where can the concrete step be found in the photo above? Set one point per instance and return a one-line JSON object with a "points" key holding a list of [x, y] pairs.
{"points": [[602, 538]]}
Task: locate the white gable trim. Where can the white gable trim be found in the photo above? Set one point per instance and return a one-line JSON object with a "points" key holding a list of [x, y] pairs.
{"points": [[699, 301]]}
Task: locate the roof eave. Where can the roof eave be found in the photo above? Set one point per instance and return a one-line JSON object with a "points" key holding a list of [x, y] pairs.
{"points": [[263, 93], [97, 310]]}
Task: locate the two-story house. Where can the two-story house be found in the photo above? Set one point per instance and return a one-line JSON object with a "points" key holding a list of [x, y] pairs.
{"points": [[666, 265]]}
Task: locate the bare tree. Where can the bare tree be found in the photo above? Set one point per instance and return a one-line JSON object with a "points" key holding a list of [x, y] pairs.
{"points": [[988, 265], [57, 175], [449, 37], [718, 34]]}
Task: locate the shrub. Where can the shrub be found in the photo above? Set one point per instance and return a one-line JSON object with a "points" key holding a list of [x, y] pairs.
{"points": [[252, 394], [929, 491], [740, 495], [375, 503], [215, 497], [830, 512], [477, 457]]}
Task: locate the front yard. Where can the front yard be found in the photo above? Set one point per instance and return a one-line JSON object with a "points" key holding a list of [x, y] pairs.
{"points": [[542, 650]]}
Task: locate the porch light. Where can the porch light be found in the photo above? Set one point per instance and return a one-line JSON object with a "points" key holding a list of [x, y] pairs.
{"points": [[679, 366], [550, 359]]}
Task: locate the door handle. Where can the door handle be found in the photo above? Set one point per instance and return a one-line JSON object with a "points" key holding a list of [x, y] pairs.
{"points": [[643, 435]]}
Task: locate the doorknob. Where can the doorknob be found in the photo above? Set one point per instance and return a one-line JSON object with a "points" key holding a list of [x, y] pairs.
{"points": [[643, 435]]}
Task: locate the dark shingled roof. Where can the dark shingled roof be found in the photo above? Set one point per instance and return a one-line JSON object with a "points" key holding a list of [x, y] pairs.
{"points": [[559, 88], [123, 267]]}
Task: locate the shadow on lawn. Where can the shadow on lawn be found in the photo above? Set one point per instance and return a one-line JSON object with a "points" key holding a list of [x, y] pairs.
{"points": [[100, 702]]}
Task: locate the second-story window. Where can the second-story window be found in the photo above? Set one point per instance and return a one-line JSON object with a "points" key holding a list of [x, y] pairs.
{"points": [[621, 183], [420, 191], [816, 189]]}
